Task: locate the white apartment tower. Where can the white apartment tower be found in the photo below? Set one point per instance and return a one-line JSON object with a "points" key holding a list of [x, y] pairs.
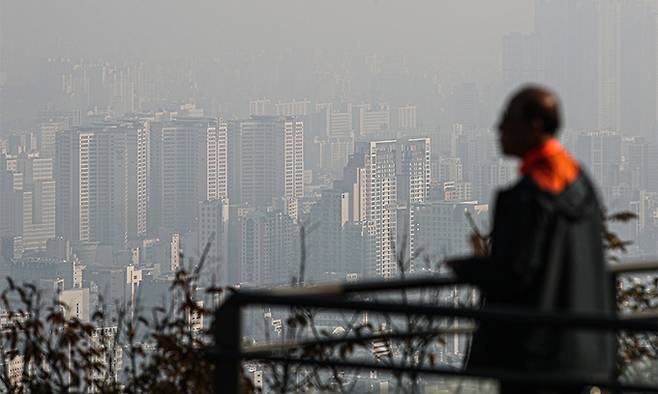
{"points": [[382, 177], [137, 147], [381, 200]]}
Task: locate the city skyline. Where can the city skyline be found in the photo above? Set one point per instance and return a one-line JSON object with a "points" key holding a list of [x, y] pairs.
{"points": [[298, 142]]}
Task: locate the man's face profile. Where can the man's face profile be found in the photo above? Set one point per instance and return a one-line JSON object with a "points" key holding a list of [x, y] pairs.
{"points": [[530, 119], [513, 130]]}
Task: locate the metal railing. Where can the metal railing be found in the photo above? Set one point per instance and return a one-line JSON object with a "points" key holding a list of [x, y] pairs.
{"points": [[228, 353]]}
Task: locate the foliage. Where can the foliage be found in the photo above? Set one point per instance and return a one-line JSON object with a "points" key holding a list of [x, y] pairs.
{"points": [[43, 351]]}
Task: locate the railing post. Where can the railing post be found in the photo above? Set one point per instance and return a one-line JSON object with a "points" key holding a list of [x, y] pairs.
{"points": [[226, 330]]}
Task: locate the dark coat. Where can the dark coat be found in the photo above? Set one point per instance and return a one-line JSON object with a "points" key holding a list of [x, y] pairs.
{"points": [[547, 255]]}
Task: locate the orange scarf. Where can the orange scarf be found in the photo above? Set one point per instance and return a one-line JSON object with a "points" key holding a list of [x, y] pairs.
{"points": [[550, 166]]}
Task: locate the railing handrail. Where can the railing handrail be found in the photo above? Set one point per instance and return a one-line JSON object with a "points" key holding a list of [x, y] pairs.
{"points": [[633, 266], [497, 314], [228, 353], [366, 286], [438, 280]]}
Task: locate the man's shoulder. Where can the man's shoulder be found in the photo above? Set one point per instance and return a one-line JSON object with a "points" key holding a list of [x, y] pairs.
{"points": [[523, 189], [577, 196]]}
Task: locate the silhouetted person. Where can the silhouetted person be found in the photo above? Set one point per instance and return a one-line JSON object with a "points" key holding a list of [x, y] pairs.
{"points": [[546, 254]]}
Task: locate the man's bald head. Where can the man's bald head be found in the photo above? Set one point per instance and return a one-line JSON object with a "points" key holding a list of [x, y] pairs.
{"points": [[535, 103], [532, 116]]}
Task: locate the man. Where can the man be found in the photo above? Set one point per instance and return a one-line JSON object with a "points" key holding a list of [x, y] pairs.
{"points": [[546, 255]]}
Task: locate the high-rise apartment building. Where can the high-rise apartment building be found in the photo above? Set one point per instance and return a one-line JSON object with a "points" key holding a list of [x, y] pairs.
{"points": [[27, 199], [212, 228], [260, 107], [441, 229], [374, 120], [490, 175], [335, 123], [601, 61], [137, 182], [38, 202], [601, 152], [384, 176], [406, 117], [328, 217], [457, 191], [293, 108], [188, 164], [449, 169], [92, 170], [333, 154], [413, 167], [269, 248], [637, 47], [266, 160], [640, 167], [46, 137]]}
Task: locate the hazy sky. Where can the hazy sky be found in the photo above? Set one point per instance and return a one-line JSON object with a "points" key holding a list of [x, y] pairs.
{"points": [[459, 34]]}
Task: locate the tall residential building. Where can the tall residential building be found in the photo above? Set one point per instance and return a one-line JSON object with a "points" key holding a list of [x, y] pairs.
{"points": [[337, 246], [640, 168], [601, 152], [175, 253], [406, 117], [601, 61], [212, 228], [38, 202], [569, 57], [333, 154], [374, 120], [293, 108], [11, 184], [441, 229], [335, 123], [449, 169], [27, 196], [46, 137], [384, 176], [457, 191], [260, 107], [466, 105], [188, 164], [269, 248], [637, 69], [609, 105], [91, 171], [381, 203], [328, 217], [137, 177], [266, 160], [490, 175], [413, 168]]}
